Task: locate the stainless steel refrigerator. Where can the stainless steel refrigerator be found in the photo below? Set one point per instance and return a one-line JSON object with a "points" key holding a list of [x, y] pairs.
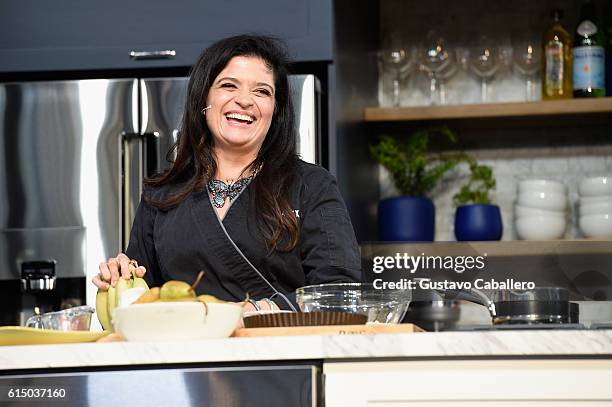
{"points": [[73, 155]]}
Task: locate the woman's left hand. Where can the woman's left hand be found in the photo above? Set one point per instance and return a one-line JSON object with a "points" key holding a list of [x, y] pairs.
{"points": [[249, 307], [263, 306]]}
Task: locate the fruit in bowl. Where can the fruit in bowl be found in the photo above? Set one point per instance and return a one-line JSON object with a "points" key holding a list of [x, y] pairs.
{"points": [[170, 312], [108, 300], [176, 321]]}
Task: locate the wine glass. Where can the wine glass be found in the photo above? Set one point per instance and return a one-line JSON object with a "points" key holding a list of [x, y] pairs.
{"points": [[527, 59], [399, 62], [484, 62], [440, 64]]}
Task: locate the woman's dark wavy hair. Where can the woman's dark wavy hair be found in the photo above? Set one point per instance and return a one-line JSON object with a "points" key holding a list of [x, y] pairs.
{"points": [[195, 165]]}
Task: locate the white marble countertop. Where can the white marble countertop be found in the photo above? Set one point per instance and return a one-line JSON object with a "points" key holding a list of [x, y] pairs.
{"points": [[329, 348]]}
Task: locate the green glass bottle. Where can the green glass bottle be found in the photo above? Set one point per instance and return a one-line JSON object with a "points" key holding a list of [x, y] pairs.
{"points": [[589, 55]]}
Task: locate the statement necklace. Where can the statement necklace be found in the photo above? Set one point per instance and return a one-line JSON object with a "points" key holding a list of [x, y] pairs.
{"points": [[221, 190]]}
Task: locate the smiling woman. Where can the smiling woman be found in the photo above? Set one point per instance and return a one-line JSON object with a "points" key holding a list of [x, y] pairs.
{"points": [[242, 105], [237, 202]]}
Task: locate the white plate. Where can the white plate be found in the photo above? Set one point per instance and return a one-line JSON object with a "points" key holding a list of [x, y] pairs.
{"points": [[19, 335]]}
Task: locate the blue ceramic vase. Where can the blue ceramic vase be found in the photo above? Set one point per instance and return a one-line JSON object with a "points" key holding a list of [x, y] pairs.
{"points": [[478, 222], [406, 219]]}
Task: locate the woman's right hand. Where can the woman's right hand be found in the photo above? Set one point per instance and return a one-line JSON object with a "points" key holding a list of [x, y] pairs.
{"points": [[113, 269]]}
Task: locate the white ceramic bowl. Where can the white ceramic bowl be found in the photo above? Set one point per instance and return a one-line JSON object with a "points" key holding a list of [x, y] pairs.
{"points": [[553, 201], [526, 212], [176, 321], [542, 185], [587, 200], [540, 227], [596, 186], [596, 208], [596, 225]]}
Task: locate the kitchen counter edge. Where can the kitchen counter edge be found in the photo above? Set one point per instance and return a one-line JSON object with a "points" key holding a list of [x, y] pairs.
{"points": [[570, 343]]}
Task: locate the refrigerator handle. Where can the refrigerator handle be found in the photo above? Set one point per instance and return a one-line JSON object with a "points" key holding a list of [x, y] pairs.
{"points": [[139, 159]]}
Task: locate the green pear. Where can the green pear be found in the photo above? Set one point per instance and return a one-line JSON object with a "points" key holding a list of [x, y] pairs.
{"points": [[151, 295], [175, 290]]}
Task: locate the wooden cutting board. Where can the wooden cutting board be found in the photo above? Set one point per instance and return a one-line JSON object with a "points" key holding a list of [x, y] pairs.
{"points": [[329, 330]]}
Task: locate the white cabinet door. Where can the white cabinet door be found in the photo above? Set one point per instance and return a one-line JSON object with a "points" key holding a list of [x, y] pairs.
{"points": [[492, 403], [478, 383]]}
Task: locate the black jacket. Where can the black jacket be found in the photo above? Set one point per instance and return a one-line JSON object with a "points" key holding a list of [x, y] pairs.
{"points": [[178, 243]]}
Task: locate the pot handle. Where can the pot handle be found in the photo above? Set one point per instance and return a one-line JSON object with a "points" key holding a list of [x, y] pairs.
{"points": [[472, 295]]}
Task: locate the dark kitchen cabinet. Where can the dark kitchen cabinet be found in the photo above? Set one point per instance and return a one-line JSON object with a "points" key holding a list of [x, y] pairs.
{"points": [[74, 35]]}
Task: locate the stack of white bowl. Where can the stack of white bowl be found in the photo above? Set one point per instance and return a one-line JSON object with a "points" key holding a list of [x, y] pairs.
{"points": [[595, 206], [540, 212]]}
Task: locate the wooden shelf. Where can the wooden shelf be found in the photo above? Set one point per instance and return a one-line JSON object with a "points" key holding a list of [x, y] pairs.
{"points": [[511, 248], [491, 110]]}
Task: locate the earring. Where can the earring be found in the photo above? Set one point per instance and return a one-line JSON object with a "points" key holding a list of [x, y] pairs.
{"points": [[205, 109]]}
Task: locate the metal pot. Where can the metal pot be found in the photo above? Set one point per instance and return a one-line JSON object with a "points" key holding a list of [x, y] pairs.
{"points": [[429, 311], [441, 315], [549, 305]]}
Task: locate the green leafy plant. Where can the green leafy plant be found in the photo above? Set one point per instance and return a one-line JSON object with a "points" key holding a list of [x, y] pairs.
{"points": [[479, 186], [415, 172]]}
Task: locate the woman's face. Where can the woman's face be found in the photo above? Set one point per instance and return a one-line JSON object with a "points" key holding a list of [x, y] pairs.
{"points": [[242, 104]]}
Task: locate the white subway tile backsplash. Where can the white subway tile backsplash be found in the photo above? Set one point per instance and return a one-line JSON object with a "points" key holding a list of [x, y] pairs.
{"points": [[580, 165], [550, 166], [521, 166]]}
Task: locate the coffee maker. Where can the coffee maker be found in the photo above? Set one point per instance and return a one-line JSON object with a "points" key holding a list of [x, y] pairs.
{"points": [[38, 290]]}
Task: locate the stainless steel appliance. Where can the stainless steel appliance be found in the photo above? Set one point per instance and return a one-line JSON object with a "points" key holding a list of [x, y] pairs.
{"points": [[73, 155], [270, 385]]}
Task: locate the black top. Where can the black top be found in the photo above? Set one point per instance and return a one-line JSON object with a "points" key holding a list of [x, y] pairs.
{"points": [[176, 244]]}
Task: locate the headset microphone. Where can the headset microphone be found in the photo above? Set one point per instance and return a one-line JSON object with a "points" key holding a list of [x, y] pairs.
{"points": [[206, 108]]}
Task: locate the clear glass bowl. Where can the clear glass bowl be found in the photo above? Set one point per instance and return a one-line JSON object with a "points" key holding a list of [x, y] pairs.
{"points": [[71, 319], [381, 306]]}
